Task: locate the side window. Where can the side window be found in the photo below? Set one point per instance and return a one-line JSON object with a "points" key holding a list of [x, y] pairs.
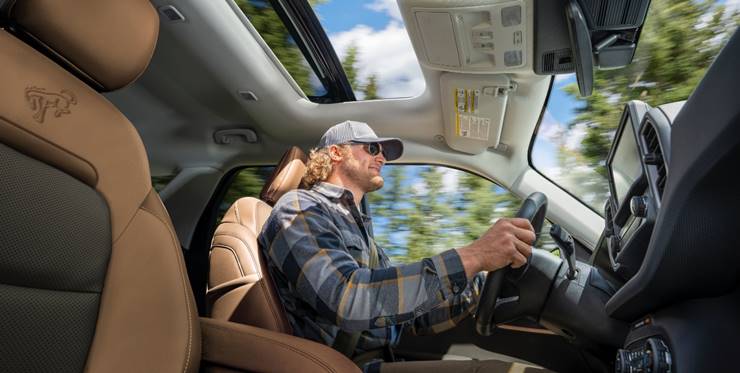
{"points": [[424, 210], [248, 182]]}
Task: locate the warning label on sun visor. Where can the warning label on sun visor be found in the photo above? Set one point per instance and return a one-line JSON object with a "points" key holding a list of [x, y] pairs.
{"points": [[468, 125], [473, 127]]}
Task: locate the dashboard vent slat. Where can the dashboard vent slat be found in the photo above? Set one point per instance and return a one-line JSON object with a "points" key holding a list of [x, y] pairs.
{"points": [[650, 136]]}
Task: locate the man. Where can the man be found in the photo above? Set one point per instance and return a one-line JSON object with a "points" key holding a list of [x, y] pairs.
{"points": [[339, 288]]}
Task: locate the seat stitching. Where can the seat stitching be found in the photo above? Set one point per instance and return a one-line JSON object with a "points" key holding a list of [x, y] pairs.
{"points": [[245, 243], [185, 289], [56, 146], [270, 303], [236, 211], [238, 263]]}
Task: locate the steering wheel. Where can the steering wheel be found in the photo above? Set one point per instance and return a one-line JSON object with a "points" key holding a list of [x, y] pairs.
{"points": [[533, 208]]}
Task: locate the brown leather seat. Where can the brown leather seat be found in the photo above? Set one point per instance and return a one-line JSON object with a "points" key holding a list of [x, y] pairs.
{"points": [[239, 286], [91, 272]]}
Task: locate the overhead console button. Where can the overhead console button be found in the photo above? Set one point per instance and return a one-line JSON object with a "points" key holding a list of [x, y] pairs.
{"points": [[511, 16], [513, 58]]}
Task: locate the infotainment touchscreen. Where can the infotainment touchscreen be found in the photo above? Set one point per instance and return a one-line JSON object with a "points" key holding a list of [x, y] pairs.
{"points": [[625, 166]]}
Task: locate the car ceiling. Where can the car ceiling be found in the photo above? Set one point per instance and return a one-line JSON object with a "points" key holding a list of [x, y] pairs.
{"points": [[190, 90]]}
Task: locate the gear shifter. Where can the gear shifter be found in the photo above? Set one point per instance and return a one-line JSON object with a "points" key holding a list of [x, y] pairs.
{"points": [[567, 248]]}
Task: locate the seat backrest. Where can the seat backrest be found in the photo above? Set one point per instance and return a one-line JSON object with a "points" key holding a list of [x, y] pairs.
{"points": [[239, 286], [91, 271], [286, 177]]}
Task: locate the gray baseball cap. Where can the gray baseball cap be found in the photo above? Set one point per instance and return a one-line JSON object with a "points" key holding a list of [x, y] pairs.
{"points": [[359, 132]]}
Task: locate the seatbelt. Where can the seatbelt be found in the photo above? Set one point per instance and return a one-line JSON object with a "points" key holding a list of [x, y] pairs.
{"points": [[346, 342]]}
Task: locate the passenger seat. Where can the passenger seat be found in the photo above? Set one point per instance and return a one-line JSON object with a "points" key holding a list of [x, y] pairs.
{"points": [[92, 276], [239, 285]]}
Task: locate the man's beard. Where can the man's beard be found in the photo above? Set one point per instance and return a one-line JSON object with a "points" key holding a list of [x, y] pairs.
{"points": [[363, 180]]}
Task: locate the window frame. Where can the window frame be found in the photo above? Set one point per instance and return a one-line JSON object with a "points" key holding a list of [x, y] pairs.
{"points": [[304, 27]]}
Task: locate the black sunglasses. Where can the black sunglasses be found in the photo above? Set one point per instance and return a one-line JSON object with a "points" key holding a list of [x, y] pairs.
{"points": [[372, 148]]}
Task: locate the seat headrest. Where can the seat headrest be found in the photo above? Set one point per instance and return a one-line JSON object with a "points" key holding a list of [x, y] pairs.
{"points": [[94, 39], [286, 177]]}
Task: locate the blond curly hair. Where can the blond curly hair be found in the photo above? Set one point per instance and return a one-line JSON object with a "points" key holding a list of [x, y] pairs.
{"points": [[319, 167]]}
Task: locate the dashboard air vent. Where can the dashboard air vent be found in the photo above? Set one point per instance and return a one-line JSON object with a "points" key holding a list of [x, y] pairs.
{"points": [[656, 155]]}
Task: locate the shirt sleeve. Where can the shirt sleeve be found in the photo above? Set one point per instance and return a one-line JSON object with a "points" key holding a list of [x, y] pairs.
{"points": [[307, 247], [450, 313]]}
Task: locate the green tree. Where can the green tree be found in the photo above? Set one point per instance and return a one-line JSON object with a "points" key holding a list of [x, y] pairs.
{"points": [[428, 217], [676, 47], [390, 208], [263, 17], [349, 63], [479, 204], [371, 88]]}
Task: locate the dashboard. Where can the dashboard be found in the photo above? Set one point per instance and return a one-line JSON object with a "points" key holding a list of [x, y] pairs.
{"points": [[669, 246], [637, 167]]}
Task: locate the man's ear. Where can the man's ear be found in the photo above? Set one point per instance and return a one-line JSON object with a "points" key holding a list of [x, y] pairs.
{"points": [[336, 153]]}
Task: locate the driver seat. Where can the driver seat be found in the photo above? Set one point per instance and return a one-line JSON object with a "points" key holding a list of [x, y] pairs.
{"points": [[239, 285]]}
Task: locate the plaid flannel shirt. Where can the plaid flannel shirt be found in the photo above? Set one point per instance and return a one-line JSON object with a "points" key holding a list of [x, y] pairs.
{"points": [[318, 250]]}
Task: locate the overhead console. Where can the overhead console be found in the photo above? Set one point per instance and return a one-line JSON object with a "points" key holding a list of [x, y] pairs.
{"points": [[470, 37]]}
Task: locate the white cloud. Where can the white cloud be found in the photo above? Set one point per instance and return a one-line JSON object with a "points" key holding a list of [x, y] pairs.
{"points": [[450, 180], [390, 7], [553, 172], [420, 187], [557, 133], [388, 54], [565, 78], [732, 5], [551, 129], [575, 136], [614, 98]]}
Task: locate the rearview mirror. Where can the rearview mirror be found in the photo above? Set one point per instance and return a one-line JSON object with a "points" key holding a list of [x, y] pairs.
{"points": [[580, 41]]}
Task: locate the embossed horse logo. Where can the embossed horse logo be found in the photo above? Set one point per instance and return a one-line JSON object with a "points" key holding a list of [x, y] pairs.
{"points": [[41, 101]]}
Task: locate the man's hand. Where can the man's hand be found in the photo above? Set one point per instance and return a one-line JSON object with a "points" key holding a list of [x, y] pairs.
{"points": [[509, 241]]}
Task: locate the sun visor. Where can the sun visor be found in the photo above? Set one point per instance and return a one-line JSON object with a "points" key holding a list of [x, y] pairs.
{"points": [[473, 107]]}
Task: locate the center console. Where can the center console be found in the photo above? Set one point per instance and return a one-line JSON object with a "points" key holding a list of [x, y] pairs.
{"points": [[637, 167]]}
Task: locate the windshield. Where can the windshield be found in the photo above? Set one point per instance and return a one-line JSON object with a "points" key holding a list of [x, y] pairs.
{"points": [[679, 41]]}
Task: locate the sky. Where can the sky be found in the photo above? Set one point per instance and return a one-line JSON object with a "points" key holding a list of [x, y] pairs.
{"points": [[377, 29]]}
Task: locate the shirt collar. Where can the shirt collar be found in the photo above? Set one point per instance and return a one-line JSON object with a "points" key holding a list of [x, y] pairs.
{"points": [[333, 191]]}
